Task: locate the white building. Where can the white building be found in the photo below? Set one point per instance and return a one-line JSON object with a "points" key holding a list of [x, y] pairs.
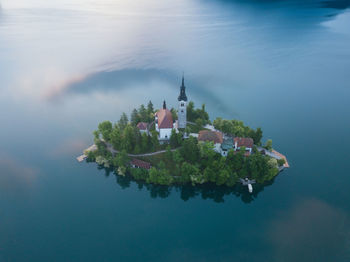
{"points": [[164, 123]]}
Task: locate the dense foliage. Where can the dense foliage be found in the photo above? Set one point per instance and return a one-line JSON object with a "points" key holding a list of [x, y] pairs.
{"points": [[198, 116], [237, 128], [185, 160]]}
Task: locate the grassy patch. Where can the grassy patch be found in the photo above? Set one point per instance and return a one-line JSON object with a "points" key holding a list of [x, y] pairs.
{"points": [[156, 159]]}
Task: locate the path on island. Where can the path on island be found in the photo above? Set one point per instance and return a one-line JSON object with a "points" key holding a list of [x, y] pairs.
{"points": [[114, 151]]}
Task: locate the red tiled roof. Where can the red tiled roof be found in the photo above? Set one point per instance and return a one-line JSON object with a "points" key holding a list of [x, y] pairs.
{"points": [[244, 141], [207, 135], [140, 163], [165, 118], [142, 126]]}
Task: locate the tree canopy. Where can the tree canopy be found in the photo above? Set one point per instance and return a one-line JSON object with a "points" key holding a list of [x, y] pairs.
{"points": [[185, 160], [237, 128]]}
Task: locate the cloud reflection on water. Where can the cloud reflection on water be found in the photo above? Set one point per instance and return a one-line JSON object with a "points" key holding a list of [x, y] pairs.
{"points": [[312, 230], [206, 39], [15, 177], [132, 79]]}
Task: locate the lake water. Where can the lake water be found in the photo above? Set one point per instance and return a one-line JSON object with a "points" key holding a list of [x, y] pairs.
{"points": [[66, 65]]}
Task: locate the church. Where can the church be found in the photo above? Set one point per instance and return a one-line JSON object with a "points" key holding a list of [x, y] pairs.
{"points": [[164, 122]]}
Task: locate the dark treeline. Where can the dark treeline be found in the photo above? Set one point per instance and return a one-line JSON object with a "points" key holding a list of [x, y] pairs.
{"points": [[187, 192]]}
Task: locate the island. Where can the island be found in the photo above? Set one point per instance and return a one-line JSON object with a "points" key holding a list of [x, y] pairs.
{"points": [[182, 146]]}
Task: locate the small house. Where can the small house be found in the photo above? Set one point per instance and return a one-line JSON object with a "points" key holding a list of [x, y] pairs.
{"points": [[212, 136], [246, 142], [137, 163], [142, 126]]}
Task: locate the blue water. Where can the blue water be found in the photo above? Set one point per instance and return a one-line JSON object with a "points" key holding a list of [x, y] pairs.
{"points": [[66, 65]]}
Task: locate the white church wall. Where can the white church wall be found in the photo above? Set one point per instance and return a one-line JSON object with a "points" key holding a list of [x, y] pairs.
{"points": [[165, 133]]}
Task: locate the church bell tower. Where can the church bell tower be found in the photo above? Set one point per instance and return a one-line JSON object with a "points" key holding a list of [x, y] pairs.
{"points": [[182, 114]]}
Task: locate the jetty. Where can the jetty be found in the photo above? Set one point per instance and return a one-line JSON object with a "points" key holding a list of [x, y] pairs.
{"points": [[286, 164], [274, 154], [86, 151], [247, 182]]}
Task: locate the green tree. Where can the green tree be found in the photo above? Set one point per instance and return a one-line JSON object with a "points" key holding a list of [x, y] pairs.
{"points": [[139, 173], [164, 177], [207, 153], [175, 139], [96, 136], [128, 142], [150, 111], [150, 108], [143, 114], [257, 135], [218, 123], [281, 162], [173, 113], [272, 163], [202, 114], [160, 176], [144, 143], [115, 138], [188, 170], [190, 112], [199, 124], [189, 150], [268, 144], [91, 156], [123, 121], [177, 157], [209, 174], [222, 177], [135, 118], [227, 127], [153, 175], [235, 160], [105, 128], [154, 140], [122, 158], [232, 180]]}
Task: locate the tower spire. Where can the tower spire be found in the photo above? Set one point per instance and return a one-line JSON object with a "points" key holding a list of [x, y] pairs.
{"points": [[183, 79], [182, 110], [182, 96], [164, 105]]}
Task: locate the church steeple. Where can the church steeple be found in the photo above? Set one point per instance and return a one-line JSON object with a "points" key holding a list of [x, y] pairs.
{"points": [[182, 110], [182, 96]]}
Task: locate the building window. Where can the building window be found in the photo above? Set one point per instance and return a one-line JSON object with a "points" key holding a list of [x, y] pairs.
{"points": [[182, 111], [182, 104]]}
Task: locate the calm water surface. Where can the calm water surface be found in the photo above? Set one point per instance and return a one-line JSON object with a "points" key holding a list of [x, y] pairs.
{"points": [[67, 65]]}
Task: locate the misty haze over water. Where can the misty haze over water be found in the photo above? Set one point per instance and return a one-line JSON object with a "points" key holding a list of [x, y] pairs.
{"points": [[68, 65]]}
